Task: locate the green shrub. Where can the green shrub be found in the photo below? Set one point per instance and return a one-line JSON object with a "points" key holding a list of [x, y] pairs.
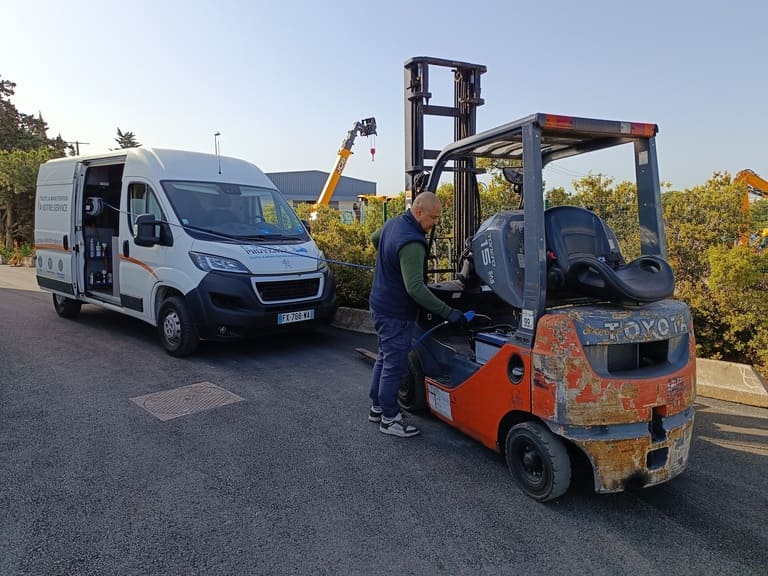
{"points": [[349, 248], [24, 250]]}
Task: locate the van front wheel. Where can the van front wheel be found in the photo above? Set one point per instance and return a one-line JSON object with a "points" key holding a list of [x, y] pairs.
{"points": [[176, 329], [66, 307]]}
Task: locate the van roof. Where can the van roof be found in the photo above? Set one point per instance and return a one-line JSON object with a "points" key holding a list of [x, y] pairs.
{"points": [[168, 164]]}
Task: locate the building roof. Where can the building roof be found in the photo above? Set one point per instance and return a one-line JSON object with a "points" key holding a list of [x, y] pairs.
{"points": [[306, 185]]}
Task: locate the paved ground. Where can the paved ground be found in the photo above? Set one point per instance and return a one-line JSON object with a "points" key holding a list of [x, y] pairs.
{"points": [[293, 479]]}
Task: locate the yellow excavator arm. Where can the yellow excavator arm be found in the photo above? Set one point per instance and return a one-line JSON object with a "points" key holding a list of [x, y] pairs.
{"points": [[365, 127], [755, 185]]}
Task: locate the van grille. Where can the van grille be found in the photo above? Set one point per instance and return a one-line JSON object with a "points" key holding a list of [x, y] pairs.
{"points": [[287, 290]]}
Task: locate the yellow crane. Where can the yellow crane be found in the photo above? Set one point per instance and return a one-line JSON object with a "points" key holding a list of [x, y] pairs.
{"points": [[365, 127]]}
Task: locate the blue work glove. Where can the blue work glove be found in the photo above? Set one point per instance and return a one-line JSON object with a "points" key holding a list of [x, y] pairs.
{"points": [[457, 318]]}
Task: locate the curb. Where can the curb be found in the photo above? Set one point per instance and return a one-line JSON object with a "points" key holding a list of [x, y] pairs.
{"points": [[731, 382], [353, 319]]}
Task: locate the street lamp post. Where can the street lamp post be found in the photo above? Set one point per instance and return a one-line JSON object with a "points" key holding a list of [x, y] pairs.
{"points": [[216, 148]]}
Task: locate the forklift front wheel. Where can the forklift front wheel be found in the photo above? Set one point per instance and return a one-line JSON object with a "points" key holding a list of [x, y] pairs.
{"points": [[412, 395], [538, 460], [176, 329]]}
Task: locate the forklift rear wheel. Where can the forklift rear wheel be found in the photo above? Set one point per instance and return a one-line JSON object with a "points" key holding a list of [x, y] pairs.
{"points": [[66, 307], [412, 396], [176, 329], [538, 460]]}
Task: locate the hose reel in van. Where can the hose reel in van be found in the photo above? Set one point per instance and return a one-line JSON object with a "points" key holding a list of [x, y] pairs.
{"points": [[94, 206]]}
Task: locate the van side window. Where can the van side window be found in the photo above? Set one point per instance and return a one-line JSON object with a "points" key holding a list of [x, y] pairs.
{"points": [[142, 200]]}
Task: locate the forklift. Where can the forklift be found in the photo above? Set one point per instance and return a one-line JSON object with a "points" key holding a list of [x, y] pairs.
{"points": [[573, 354]]}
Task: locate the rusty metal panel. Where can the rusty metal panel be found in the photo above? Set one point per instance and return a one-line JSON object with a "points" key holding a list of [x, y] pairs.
{"points": [[567, 391], [635, 426], [624, 462]]}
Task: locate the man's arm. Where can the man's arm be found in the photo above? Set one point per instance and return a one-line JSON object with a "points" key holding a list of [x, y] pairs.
{"points": [[375, 237], [412, 257]]}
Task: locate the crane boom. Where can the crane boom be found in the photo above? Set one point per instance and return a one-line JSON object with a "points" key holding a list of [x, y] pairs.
{"points": [[365, 127]]}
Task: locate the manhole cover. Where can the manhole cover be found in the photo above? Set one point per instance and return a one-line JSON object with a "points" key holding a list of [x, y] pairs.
{"points": [[185, 400]]}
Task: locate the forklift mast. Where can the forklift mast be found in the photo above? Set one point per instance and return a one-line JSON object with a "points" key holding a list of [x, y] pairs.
{"points": [[464, 112]]}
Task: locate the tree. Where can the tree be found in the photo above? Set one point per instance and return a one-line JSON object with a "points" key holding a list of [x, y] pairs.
{"points": [[556, 197], [341, 243], [697, 219], [126, 139], [723, 283], [616, 204], [23, 146], [737, 289], [498, 194], [18, 130], [18, 179]]}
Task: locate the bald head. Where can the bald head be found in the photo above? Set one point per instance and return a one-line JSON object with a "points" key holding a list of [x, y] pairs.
{"points": [[427, 208]]}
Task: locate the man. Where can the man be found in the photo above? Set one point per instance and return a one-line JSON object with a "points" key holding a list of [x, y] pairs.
{"points": [[397, 293]]}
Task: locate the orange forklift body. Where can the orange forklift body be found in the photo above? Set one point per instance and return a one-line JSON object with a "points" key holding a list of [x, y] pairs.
{"points": [[579, 350], [632, 430]]}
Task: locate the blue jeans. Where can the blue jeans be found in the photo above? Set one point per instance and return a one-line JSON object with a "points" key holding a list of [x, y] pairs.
{"points": [[391, 362]]}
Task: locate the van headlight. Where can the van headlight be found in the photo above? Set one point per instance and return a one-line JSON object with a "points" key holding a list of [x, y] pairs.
{"points": [[321, 263], [209, 262]]}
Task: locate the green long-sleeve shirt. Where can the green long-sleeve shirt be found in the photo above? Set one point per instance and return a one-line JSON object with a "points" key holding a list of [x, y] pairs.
{"points": [[412, 256]]}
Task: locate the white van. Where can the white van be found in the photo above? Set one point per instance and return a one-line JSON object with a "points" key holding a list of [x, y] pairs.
{"points": [[201, 246]]}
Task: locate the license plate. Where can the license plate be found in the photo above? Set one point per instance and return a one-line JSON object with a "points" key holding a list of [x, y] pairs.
{"points": [[298, 316]]}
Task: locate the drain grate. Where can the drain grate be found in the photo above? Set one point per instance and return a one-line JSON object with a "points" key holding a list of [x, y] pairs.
{"points": [[185, 400]]}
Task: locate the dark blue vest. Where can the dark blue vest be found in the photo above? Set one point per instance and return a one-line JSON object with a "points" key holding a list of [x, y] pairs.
{"points": [[388, 294]]}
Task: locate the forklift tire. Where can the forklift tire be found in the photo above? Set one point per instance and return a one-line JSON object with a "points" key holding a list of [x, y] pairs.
{"points": [[176, 329], [538, 460], [66, 307], [412, 395]]}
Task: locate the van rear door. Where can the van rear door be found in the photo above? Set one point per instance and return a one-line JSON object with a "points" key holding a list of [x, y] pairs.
{"points": [[57, 223]]}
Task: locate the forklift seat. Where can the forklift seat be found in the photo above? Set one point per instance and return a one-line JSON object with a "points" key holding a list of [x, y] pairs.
{"points": [[584, 260]]}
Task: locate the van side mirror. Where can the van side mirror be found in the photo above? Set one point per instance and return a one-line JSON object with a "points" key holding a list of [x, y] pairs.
{"points": [[147, 230]]}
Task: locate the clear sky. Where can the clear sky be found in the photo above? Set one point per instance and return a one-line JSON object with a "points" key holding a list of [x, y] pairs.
{"points": [[284, 80]]}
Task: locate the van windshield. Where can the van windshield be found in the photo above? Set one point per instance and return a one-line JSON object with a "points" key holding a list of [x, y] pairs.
{"points": [[234, 211]]}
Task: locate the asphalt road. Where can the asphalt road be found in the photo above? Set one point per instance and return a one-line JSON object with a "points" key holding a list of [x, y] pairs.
{"points": [[294, 480]]}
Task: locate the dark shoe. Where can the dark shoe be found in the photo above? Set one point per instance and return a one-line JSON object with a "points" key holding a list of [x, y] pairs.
{"points": [[397, 426], [374, 415]]}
